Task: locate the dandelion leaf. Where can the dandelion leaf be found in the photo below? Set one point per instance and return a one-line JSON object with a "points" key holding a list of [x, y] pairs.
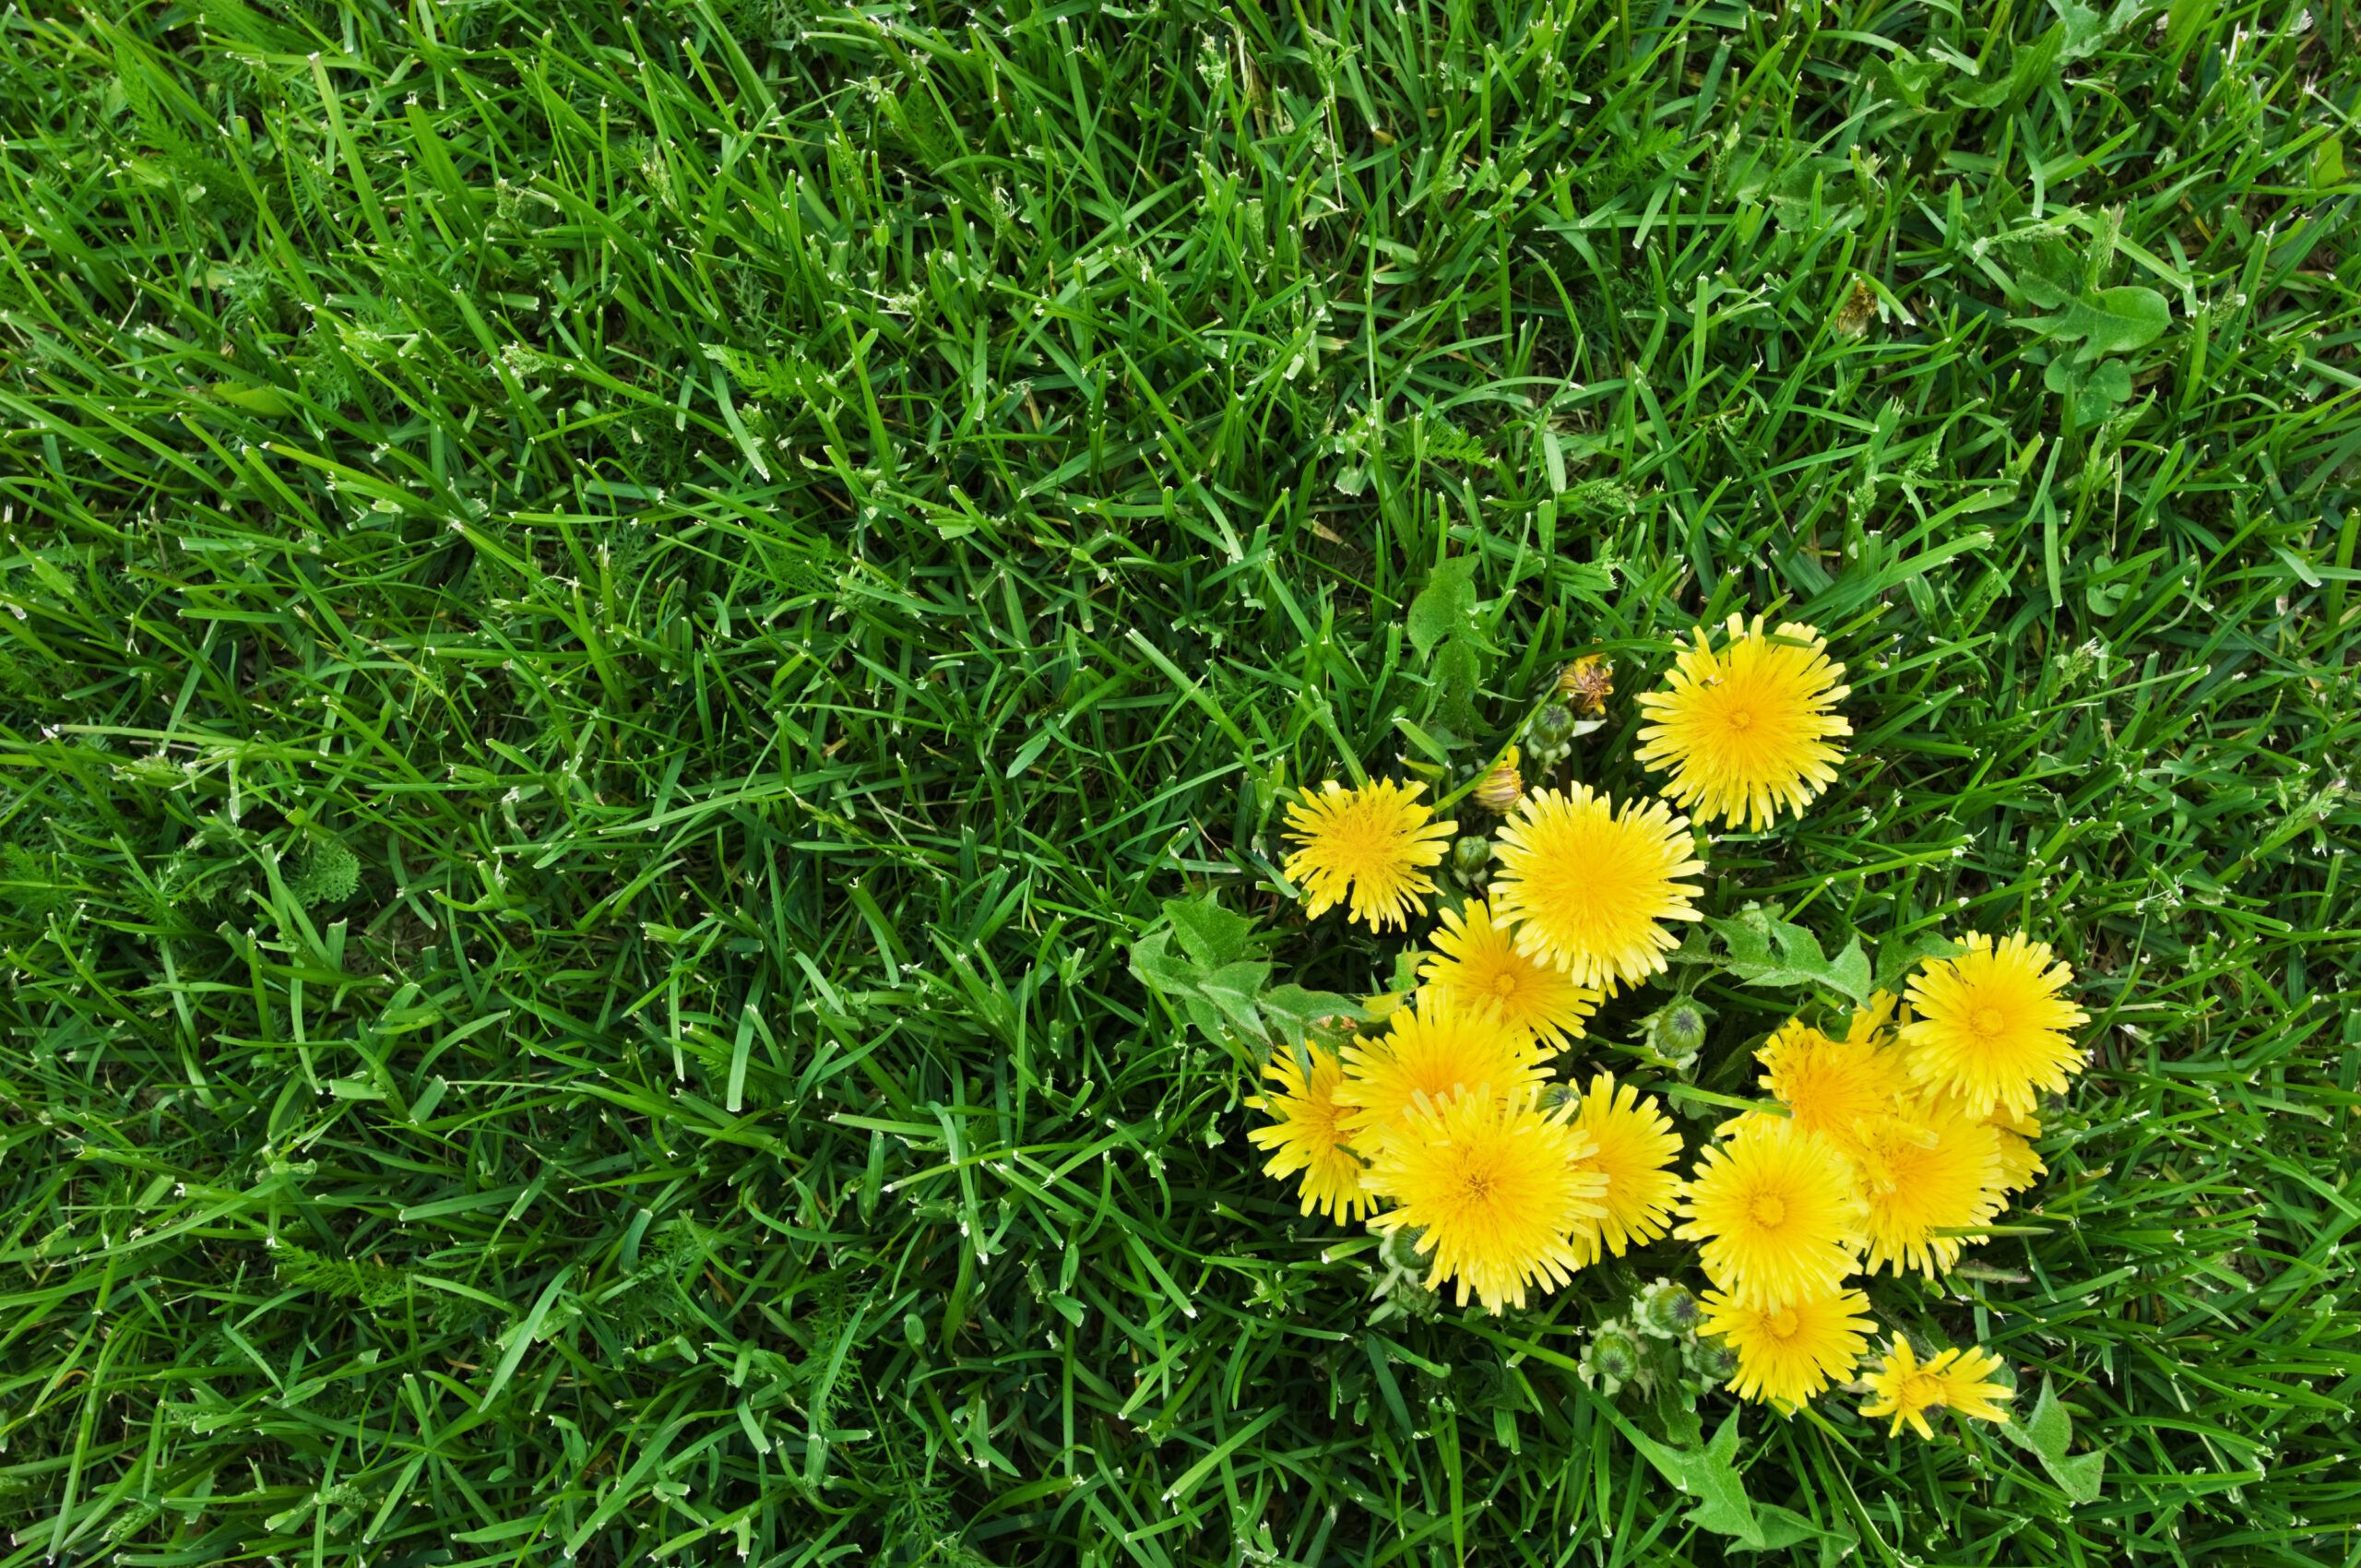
{"points": [[1209, 933], [2046, 1434], [1300, 1010], [1897, 960], [1766, 951], [2106, 321], [1443, 605]]}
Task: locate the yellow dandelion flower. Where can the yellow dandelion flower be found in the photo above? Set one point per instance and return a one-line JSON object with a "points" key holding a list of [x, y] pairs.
{"points": [[1929, 1170], [1303, 1134], [1991, 1025], [1635, 1148], [2014, 1132], [1789, 1353], [1775, 1214], [1831, 1087], [1954, 1379], [1432, 1049], [1496, 1187], [1372, 843], [1587, 683], [1476, 964], [1588, 886], [1746, 730]]}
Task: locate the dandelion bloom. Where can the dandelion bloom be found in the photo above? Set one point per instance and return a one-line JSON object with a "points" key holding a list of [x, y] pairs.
{"points": [[1775, 1214], [1906, 1389], [1432, 1049], [1635, 1147], [1746, 730], [1496, 1187], [2012, 1134], [1831, 1087], [1372, 843], [1789, 1353], [1991, 1025], [1589, 887], [1476, 964], [1922, 1172], [1303, 1134]]}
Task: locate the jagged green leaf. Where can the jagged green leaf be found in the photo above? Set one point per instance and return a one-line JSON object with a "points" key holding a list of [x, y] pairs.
{"points": [[1209, 933], [2047, 1434], [1766, 951], [2106, 321], [1444, 605]]}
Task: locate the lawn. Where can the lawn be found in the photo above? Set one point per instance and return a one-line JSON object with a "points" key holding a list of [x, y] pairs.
{"points": [[618, 615]]}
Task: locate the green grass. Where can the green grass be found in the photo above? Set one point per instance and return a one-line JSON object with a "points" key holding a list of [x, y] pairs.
{"points": [[616, 614]]}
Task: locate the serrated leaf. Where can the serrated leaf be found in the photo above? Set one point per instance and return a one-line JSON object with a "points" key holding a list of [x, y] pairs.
{"points": [[2107, 321], [1459, 674], [1156, 967], [2096, 389], [2044, 273], [1206, 1017], [2087, 30], [2046, 1436], [1766, 951], [1209, 933], [1896, 959], [1301, 1009], [1236, 990], [1443, 606], [1708, 1476]]}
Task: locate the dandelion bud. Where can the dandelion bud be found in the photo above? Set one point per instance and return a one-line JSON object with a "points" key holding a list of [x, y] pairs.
{"points": [[1551, 726], [1611, 1360], [1665, 1311], [1711, 1359], [1677, 1032], [1501, 789], [1587, 683], [1470, 856]]}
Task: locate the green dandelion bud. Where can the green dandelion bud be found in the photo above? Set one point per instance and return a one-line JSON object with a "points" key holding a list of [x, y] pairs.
{"points": [[1710, 1358], [1665, 1311], [1470, 856], [1552, 726], [1611, 1359], [1677, 1032]]}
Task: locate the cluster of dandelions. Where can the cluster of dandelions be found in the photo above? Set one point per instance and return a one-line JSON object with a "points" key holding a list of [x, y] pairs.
{"points": [[1891, 1147]]}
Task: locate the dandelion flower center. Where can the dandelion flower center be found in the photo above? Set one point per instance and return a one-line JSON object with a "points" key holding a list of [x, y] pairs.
{"points": [[1495, 1189], [1435, 1050], [1746, 730], [1475, 964], [1831, 1086], [1789, 1353], [1590, 885], [1926, 1174], [1954, 1379], [1991, 1025], [1773, 1210], [1371, 845]]}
